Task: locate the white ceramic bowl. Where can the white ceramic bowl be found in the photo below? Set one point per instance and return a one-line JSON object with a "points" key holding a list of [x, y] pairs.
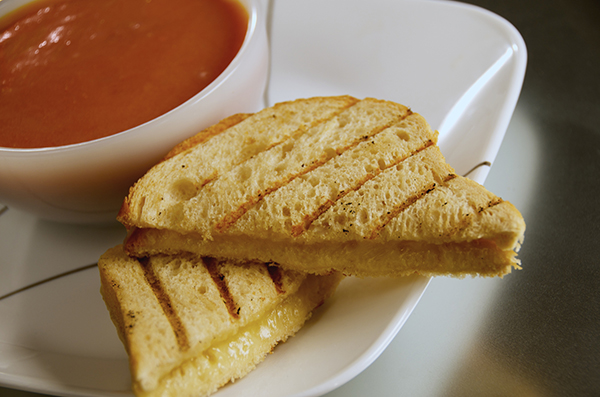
{"points": [[86, 182]]}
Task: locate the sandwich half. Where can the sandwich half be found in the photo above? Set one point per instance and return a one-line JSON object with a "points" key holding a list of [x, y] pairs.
{"points": [[323, 184], [192, 324]]}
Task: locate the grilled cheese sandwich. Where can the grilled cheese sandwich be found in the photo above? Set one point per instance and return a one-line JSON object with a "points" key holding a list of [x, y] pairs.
{"points": [[323, 184], [190, 325]]}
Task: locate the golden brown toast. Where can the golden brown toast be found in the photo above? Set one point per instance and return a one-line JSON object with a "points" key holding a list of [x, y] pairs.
{"points": [[190, 325], [322, 184]]}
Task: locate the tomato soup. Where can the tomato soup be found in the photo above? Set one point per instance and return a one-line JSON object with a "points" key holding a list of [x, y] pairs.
{"points": [[73, 71]]}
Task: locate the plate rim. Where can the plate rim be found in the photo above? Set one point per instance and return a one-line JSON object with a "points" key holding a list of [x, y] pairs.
{"points": [[379, 345]]}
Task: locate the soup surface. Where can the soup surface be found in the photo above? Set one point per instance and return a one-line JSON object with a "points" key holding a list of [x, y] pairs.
{"points": [[72, 71]]}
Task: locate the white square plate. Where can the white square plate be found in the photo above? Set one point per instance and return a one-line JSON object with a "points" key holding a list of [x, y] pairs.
{"points": [[459, 66]]}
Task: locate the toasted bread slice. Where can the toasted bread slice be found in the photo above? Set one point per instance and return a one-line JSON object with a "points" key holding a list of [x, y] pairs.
{"points": [[191, 325], [364, 190], [227, 145]]}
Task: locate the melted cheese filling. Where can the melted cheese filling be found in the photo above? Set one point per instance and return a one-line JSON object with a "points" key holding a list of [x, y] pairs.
{"points": [[234, 357]]}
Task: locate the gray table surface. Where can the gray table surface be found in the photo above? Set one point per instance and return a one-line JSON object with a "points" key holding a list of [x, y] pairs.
{"points": [[537, 331]]}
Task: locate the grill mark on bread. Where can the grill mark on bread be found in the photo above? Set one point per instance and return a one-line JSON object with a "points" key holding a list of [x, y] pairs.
{"points": [[276, 276], [301, 130], [298, 229], [212, 265], [397, 210], [126, 215], [207, 134], [165, 303], [209, 179], [492, 203], [222, 151], [468, 220], [232, 217], [229, 219], [310, 218]]}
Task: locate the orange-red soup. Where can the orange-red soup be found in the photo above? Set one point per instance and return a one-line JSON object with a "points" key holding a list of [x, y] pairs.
{"points": [[72, 70]]}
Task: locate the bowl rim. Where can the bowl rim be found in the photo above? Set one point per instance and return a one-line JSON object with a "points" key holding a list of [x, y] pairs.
{"points": [[253, 9]]}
